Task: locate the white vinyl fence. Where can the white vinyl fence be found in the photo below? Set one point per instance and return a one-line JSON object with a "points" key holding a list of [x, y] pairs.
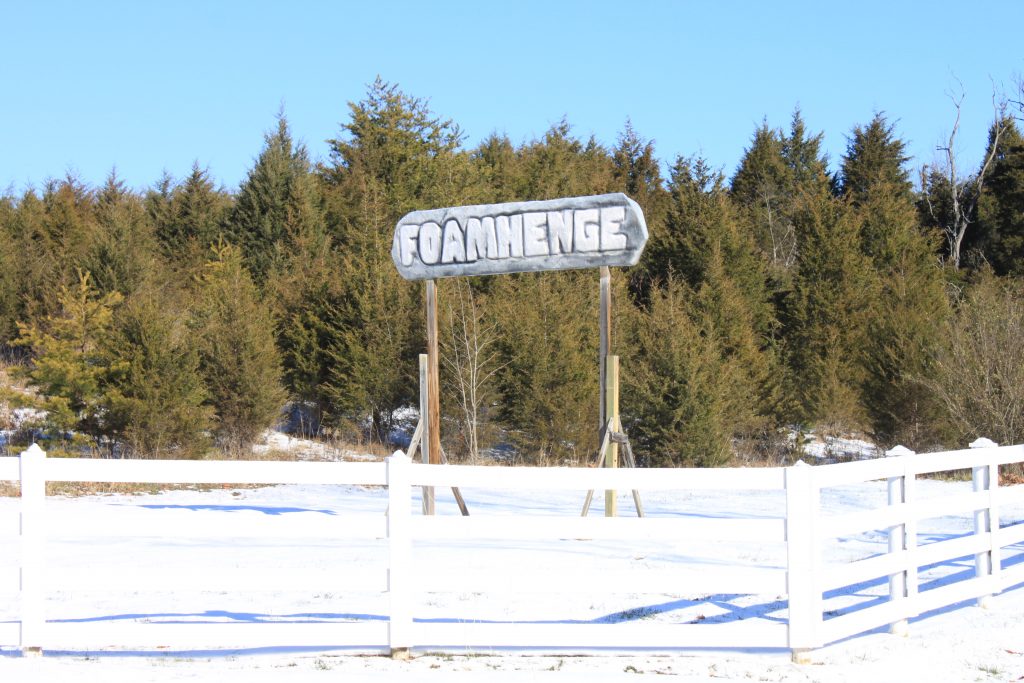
{"points": [[809, 586]]}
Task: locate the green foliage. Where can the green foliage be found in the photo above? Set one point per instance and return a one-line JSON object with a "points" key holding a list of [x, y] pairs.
{"points": [[375, 333], [1000, 229], [637, 173], [908, 305], [547, 331], [71, 368], [156, 395], [773, 174], [560, 165], [276, 204], [122, 256], [781, 297], [396, 156], [187, 218], [238, 359], [679, 389], [825, 315], [875, 157]]}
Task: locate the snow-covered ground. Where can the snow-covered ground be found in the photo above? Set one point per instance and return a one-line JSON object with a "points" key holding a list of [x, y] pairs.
{"points": [[962, 643]]}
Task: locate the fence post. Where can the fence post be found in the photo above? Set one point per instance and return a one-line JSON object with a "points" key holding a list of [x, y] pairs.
{"points": [[399, 555], [805, 615], [985, 561], [33, 503], [426, 442], [900, 543]]}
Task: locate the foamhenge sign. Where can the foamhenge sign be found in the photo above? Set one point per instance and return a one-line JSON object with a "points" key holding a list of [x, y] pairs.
{"points": [[488, 239]]}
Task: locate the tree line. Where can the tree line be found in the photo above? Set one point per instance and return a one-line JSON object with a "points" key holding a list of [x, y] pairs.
{"points": [[879, 300]]}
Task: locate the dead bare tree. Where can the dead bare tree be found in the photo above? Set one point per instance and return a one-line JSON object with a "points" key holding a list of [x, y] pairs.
{"points": [[963, 192], [471, 360]]}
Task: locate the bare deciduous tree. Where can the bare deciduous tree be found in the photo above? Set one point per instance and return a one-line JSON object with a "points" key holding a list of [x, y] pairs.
{"points": [[963, 193], [471, 360], [978, 375]]}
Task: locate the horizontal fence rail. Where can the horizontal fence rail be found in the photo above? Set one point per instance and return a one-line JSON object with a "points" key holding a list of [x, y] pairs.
{"points": [[902, 581]]}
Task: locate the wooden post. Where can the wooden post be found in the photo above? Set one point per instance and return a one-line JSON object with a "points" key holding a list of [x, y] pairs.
{"points": [[612, 412], [424, 428], [432, 420], [605, 345], [33, 501], [399, 556]]}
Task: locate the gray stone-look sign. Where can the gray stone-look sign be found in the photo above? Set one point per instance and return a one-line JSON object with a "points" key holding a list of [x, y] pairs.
{"points": [[557, 234]]}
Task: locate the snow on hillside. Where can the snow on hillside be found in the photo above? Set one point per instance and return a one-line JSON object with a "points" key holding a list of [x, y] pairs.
{"points": [[963, 643]]}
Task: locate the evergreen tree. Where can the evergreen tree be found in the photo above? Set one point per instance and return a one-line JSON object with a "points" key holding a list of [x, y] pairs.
{"points": [[395, 156], [549, 379], [394, 153], [277, 200], [156, 399], [375, 333], [637, 173], [157, 202], [774, 172], [680, 392], [1000, 232], [824, 317], [35, 270], [908, 303], [763, 188], [560, 165], [238, 360], [875, 157], [122, 254], [10, 308], [187, 218], [496, 162], [71, 369]]}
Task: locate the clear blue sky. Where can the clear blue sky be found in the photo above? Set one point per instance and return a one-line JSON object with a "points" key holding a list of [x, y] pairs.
{"points": [[149, 86]]}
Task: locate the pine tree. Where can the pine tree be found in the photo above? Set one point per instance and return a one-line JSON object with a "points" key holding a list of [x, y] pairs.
{"points": [[875, 157], [824, 317], [10, 308], [123, 253], [908, 305], [763, 187], [560, 165], [277, 200], [238, 359], [396, 152], [637, 173], [156, 400], [547, 332], [496, 162], [680, 392], [774, 172], [395, 156], [35, 271], [71, 369], [1000, 230], [187, 218]]}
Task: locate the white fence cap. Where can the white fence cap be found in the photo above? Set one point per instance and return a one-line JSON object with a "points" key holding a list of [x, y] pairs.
{"points": [[896, 451], [983, 443]]}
